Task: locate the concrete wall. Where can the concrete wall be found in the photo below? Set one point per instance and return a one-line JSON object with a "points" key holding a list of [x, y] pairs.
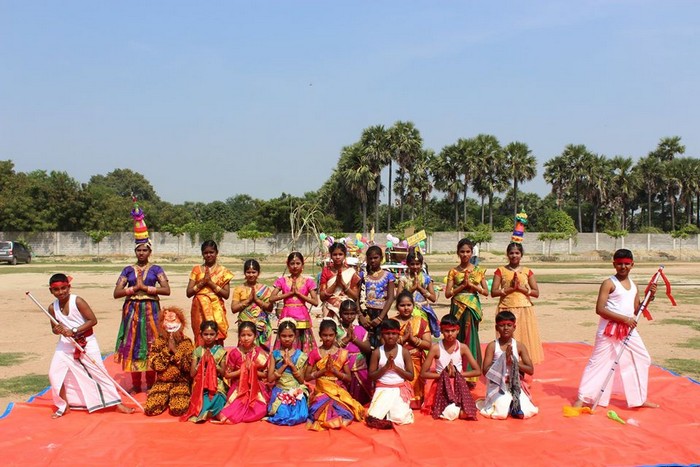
{"points": [[122, 244]]}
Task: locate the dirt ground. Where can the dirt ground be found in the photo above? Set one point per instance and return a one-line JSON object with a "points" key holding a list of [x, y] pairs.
{"points": [[565, 308]]}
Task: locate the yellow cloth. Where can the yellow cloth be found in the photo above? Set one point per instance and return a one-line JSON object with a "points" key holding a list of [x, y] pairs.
{"points": [[206, 305]]}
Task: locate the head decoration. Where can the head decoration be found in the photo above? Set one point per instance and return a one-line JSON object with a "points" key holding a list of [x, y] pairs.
{"points": [[291, 320], [519, 230], [59, 280], [140, 228], [172, 321]]}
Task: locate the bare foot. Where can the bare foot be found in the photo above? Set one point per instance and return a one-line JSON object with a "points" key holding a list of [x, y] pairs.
{"points": [[59, 415], [650, 405], [124, 409]]}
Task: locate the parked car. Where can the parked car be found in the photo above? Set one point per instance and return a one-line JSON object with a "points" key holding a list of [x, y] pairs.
{"points": [[13, 252]]}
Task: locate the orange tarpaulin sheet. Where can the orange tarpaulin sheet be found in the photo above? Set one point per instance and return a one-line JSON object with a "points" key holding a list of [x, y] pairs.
{"points": [[668, 435]]}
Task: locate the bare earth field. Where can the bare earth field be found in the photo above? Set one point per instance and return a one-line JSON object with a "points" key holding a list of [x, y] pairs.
{"points": [[565, 309]]}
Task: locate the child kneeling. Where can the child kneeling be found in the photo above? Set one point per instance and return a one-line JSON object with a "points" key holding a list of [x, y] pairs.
{"points": [[449, 396], [504, 360], [391, 367]]}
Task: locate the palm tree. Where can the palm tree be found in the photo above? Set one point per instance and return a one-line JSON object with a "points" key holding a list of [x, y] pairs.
{"points": [[406, 143], [624, 184], [419, 185], [578, 160], [358, 176], [491, 177], [648, 170], [446, 173], [667, 148], [557, 175], [375, 144], [521, 166], [468, 167], [598, 181]]}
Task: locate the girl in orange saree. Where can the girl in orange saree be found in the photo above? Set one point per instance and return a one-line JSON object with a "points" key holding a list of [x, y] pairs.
{"points": [[339, 282], [209, 288], [330, 405]]}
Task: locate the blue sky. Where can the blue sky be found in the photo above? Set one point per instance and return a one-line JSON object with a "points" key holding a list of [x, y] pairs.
{"points": [[211, 99]]}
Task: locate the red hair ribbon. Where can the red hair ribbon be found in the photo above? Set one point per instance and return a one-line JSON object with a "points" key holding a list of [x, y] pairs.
{"points": [[391, 331], [623, 261], [449, 327], [505, 321], [645, 311]]}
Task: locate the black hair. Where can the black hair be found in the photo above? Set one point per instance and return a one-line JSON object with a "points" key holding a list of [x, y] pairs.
{"points": [[414, 254], [295, 254], [338, 245], [210, 243], [623, 253], [58, 278], [449, 320], [247, 324], [251, 264], [374, 250], [390, 325], [505, 315], [465, 241], [518, 246], [404, 294], [348, 304], [327, 324], [286, 324], [208, 324]]}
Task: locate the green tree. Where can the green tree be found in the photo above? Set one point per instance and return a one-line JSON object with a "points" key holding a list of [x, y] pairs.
{"points": [[598, 182], [251, 232], [125, 183], [556, 173], [491, 178], [559, 226], [375, 145], [648, 170], [624, 184], [520, 165], [97, 236], [419, 184], [359, 176], [446, 173], [578, 161], [406, 143]]}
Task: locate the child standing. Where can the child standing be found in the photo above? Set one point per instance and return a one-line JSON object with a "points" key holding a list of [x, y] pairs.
{"points": [[504, 360], [330, 406], [77, 382], [390, 367], [353, 338], [415, 338], [379, 294], [338, 282], [449, 396], [516, 285], [170, 356], [209, 289], [251, 300], [617, 304], [420, 285], [208, 386], [246, 369], [289, 398], [464, 285], [296, 291]]}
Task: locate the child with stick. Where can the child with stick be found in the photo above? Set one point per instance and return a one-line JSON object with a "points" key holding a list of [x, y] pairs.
{"points": [[617, 304], [77, 382], [504, 360]]}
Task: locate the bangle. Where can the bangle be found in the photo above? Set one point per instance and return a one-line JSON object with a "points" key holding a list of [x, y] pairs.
{"points": [[151, 290], [217, 289], [129, 291], [195, 287]]}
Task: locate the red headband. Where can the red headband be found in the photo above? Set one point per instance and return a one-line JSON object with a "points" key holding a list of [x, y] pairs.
{"points": [[391, 331], [449, 327], [61, 283], [505, 321], [623, 261]]}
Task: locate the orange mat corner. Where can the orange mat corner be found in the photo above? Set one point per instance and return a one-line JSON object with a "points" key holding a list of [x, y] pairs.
{"points": [[668, 435]]}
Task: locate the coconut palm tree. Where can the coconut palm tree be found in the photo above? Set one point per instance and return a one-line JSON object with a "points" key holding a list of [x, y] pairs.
{"points": [[667, 148], [446, 173], [491, 177], [578, 160], [520, 165], [624, 184], [358, 176], [406, 143], [375, 144], [468, 167], [598, 181], [557, 175], [648, 170], [419, 184]]}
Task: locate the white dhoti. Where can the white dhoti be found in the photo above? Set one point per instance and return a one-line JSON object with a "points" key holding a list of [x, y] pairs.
{"points": [[389, 403], [500, 408], [631, 375], [86, 386]]}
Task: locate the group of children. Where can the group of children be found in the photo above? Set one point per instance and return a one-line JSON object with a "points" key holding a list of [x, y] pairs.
{"points": [[367, 366]]}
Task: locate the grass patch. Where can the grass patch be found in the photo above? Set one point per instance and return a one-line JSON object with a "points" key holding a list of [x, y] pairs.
{"points": [[692, 343], [578, 307], [12, 358], [684, 365], [692, 323], [27, 384]]}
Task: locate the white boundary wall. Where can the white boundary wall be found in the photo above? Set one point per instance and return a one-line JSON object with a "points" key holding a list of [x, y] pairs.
{"points": [[122, 244]]}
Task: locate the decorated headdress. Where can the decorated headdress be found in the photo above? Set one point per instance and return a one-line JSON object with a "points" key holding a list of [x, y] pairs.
{"points": [[140, 228], [519, 230]]}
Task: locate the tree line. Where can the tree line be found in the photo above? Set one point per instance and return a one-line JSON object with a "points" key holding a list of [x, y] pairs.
{"points": [[471, 184]]}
